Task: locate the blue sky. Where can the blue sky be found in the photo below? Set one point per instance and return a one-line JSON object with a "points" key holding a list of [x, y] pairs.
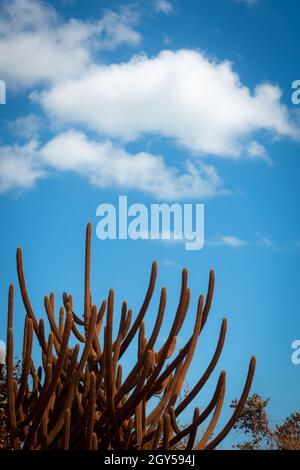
{"points": [[161, 101]]}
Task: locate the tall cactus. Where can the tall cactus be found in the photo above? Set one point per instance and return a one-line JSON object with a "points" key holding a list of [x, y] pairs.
{"points": [[78, 399]]}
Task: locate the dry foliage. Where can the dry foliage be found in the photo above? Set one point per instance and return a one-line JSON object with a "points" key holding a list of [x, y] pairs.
{"points": [[256, 424]]}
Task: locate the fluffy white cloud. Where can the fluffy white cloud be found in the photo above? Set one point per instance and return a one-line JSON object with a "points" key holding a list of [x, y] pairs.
{"points": [[182, 95], [163, 6], [19, 167], [105, 164], [196, 102], [36, 45]]}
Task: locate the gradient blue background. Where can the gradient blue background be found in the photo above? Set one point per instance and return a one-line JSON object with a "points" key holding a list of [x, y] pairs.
{"points": [[257, 288]]}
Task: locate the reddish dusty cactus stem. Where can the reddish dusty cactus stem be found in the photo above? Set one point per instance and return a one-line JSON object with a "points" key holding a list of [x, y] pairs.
{"points": [[87, 278], [79, 398], [26, 361], [66, 432], [10, 368]]}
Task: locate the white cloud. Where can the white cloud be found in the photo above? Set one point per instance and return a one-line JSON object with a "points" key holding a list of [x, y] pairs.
{"points": [[18, 167], [36, 45], [196, 102], [182, 95], [227, 240], [163, 6], [105, 165]]}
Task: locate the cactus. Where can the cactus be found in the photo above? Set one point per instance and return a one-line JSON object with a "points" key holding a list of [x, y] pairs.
{"points": [[78, 399]]}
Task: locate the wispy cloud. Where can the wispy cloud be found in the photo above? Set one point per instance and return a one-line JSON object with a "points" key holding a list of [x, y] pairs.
{"points": [[169, 263], [167, 39], [28, 126], [258, 240], [265, 242], [257, 151], [163, 6], [248, 2], [179, 340], [227, 240]]}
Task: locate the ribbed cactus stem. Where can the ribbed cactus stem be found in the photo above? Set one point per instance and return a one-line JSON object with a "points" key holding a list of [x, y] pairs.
{"points": [[80, 397]]}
